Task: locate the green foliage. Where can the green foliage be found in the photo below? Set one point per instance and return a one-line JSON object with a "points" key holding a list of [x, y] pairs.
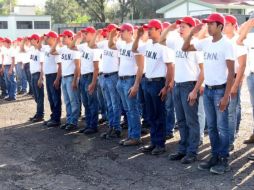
{"points": [[6, 6]]}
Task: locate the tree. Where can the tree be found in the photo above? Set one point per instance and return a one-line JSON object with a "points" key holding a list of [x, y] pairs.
{"points": [[63, 11], [6, 6], [95, 9]]}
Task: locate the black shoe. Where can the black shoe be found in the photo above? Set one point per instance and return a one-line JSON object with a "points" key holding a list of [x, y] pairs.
{"points": [[221, 167], [145, 125], [148, 148], [115, 134], [63, 126], [124, 125], [22, 92], [46, 122], [53, 124], [207, 165], [9, 99], [158, 150], [144, 131], [82, 130], [3, 96], [31, 118], [251, 157], [188, 159], [90, 131], [101, 121], [38, 119], [200, 143], [231, 147], [70, 127], [169, 136], [106, 134], [177, 156]]}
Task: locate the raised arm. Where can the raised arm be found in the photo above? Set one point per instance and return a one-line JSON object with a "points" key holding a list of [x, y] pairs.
{"points": [[165, 33], [187, 46], [92, 44], [111, 42]]}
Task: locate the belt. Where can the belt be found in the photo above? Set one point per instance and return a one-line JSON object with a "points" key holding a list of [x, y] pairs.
{"points": [[252, 73], [109, 74], [155, 79], [101, 73], [126, 77], [36, 73], [87, 74], [51, 74], [215, 87], [71, 75], [185, 83]]}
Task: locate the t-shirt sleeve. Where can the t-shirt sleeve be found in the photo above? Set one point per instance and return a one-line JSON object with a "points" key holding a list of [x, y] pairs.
{"points": [[167, 55], [76, 55], [58, 59], [170, 42], [229, 52], [42, 56], [96, 55], [199, 44], [118, 44], [43, 48], [241, 50], [102, 44], [142, 49], [199, 57]]}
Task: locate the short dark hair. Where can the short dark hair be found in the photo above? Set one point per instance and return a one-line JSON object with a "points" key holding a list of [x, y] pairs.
{"points": [[218, 23]]}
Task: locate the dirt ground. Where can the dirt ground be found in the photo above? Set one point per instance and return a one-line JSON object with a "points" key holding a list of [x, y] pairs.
{"points": [[33, 157]]}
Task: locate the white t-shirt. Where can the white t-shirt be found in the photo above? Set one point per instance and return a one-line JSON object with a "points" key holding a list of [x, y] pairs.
{"points": [[186, 63], [215, 56], [156, 56], [25, 55], [67, 58], [128, 66], [88, 56], [239, 50], [18, 55], [8, 53], [49, 65], [36, 57], [110, 60]]}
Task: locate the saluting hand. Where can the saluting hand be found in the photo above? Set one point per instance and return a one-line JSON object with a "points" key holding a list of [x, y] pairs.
{"points": [[196, 29]]}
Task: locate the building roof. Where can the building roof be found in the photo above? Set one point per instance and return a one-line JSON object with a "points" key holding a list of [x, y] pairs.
{"points": [[212, 4]]}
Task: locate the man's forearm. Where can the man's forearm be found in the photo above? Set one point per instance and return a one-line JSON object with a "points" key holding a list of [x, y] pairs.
{"points": [[135, 45]]}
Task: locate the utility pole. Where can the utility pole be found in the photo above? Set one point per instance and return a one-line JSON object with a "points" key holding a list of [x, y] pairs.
{"points": [[188, 8]]}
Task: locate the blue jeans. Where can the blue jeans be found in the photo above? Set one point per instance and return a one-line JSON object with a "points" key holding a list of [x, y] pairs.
{"points": [[217, 122], [130, 106], [3, 84], [201, 116], [238, 109], [170, 117], [101, 97], [10, 82], [113, 101], [28, 76], [89, 101], [142, 100], [38, 94], [21, 78], [71, 99], [156, 112], [54, 97], [250, 83], [232, 117], [187, 118]]}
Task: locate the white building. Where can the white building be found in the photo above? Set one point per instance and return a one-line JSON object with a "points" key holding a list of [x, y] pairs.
{"points": [[180, 8], [23, 22]]}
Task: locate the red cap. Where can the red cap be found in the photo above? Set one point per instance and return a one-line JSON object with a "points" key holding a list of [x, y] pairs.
{"points": [[34, 37], [1, 39], [154, 23], [67, 33], [215, 17], [231, 19], [19, 39], [104, 32], [136, 27], [111, 27], [127, 26], [89, 30], [7, 40], [165, 24], [187, 20], [52, 34], [197, 21]]}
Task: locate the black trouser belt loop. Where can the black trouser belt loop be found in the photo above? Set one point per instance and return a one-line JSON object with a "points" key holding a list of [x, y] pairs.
{"points": [[87, 74], [185, 83], [155, 79], [71, 75], [215, 87], [109, 74], [126, 77]]}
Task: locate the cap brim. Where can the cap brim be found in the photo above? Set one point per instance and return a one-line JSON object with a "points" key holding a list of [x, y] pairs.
{"points": [[179, 21], [207, 21]]}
